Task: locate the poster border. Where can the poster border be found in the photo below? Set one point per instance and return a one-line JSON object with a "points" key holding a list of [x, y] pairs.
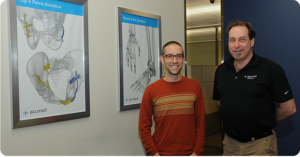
{"points": [[14, 73], [121, 90]]}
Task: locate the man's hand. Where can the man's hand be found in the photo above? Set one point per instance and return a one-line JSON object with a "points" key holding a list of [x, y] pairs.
{"points": [[218, 101], [193, 154], [285, 110], [157, 154]]}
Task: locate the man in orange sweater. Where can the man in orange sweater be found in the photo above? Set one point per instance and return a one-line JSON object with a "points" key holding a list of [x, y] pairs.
{"points": [[177, 105]]}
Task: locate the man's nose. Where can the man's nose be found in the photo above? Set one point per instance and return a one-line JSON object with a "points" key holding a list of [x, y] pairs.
{"points": [[237, 44]]}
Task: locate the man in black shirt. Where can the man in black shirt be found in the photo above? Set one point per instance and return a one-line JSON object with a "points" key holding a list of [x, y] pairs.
{"points": [[245, 88]]}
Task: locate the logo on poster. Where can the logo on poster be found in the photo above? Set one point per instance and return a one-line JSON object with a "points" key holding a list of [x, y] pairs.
{"points": [[132, 99], [38, 111], [25, 112], [35, 111]]}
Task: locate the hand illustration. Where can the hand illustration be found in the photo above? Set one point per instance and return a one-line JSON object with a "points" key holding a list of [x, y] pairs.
{"points": [[130, 51]]}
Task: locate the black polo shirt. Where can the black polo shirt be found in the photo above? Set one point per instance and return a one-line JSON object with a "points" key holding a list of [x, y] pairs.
{"points": [[247, 97]]}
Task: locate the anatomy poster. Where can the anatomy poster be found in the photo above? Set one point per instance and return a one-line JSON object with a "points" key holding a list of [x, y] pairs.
{"points": [[140, 56], [51, 69]]}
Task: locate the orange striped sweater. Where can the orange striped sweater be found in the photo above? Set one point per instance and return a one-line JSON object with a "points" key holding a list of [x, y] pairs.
{"points": [[179, 116]]}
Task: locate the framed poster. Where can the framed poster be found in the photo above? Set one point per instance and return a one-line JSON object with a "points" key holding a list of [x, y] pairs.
{"points": [[49, 61], [139, 51]]}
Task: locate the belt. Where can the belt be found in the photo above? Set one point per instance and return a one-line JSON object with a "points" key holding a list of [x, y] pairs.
{"points": [[263, 135]]}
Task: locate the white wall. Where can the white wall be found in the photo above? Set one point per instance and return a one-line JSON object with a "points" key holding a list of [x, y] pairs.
{"points": [[107, 131]]}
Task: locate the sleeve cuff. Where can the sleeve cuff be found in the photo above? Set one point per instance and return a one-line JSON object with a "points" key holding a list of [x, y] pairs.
{"points": [[198, 152], [152, 153]]}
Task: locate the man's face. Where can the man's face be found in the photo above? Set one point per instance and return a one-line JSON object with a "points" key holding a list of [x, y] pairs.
{"points": [[174, 65], [239, 43]]}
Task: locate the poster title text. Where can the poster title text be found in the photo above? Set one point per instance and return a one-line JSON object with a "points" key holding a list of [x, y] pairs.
{"points": [[35, 2], [134, 19]]}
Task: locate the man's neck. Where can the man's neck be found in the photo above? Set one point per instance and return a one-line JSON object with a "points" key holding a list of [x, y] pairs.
{"points": [[172, 78]]}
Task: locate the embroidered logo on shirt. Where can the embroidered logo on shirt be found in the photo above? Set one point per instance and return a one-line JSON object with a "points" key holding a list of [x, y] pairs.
{"points": [[251, 77], [286, 92]]}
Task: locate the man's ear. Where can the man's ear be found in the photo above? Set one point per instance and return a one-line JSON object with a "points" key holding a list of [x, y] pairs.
{"points": [[162, 59], [252, 42]]}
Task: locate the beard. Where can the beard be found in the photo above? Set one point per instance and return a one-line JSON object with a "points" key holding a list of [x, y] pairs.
{"points": [[238, 55]]}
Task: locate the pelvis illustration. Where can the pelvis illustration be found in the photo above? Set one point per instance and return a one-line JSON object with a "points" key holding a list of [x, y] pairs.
{"points": [[39, 67], [53, 32]]}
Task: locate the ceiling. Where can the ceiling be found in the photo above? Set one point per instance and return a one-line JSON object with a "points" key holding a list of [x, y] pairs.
{"points": [[203, 13]]}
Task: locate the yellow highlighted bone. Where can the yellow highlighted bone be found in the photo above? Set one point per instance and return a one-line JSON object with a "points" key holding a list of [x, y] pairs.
{"points": [[40, 81], [46, 67], [26, 25]]}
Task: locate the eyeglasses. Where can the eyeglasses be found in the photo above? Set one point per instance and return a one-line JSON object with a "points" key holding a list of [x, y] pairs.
{"points": [[170, 56]]}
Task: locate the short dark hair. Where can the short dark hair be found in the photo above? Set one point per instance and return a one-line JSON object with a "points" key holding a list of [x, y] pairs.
{"points": [[251, 32], [169, 43]]}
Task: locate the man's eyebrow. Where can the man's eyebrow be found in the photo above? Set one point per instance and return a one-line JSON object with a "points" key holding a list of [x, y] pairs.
{"points": [[175, 54], [238, 37]]}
